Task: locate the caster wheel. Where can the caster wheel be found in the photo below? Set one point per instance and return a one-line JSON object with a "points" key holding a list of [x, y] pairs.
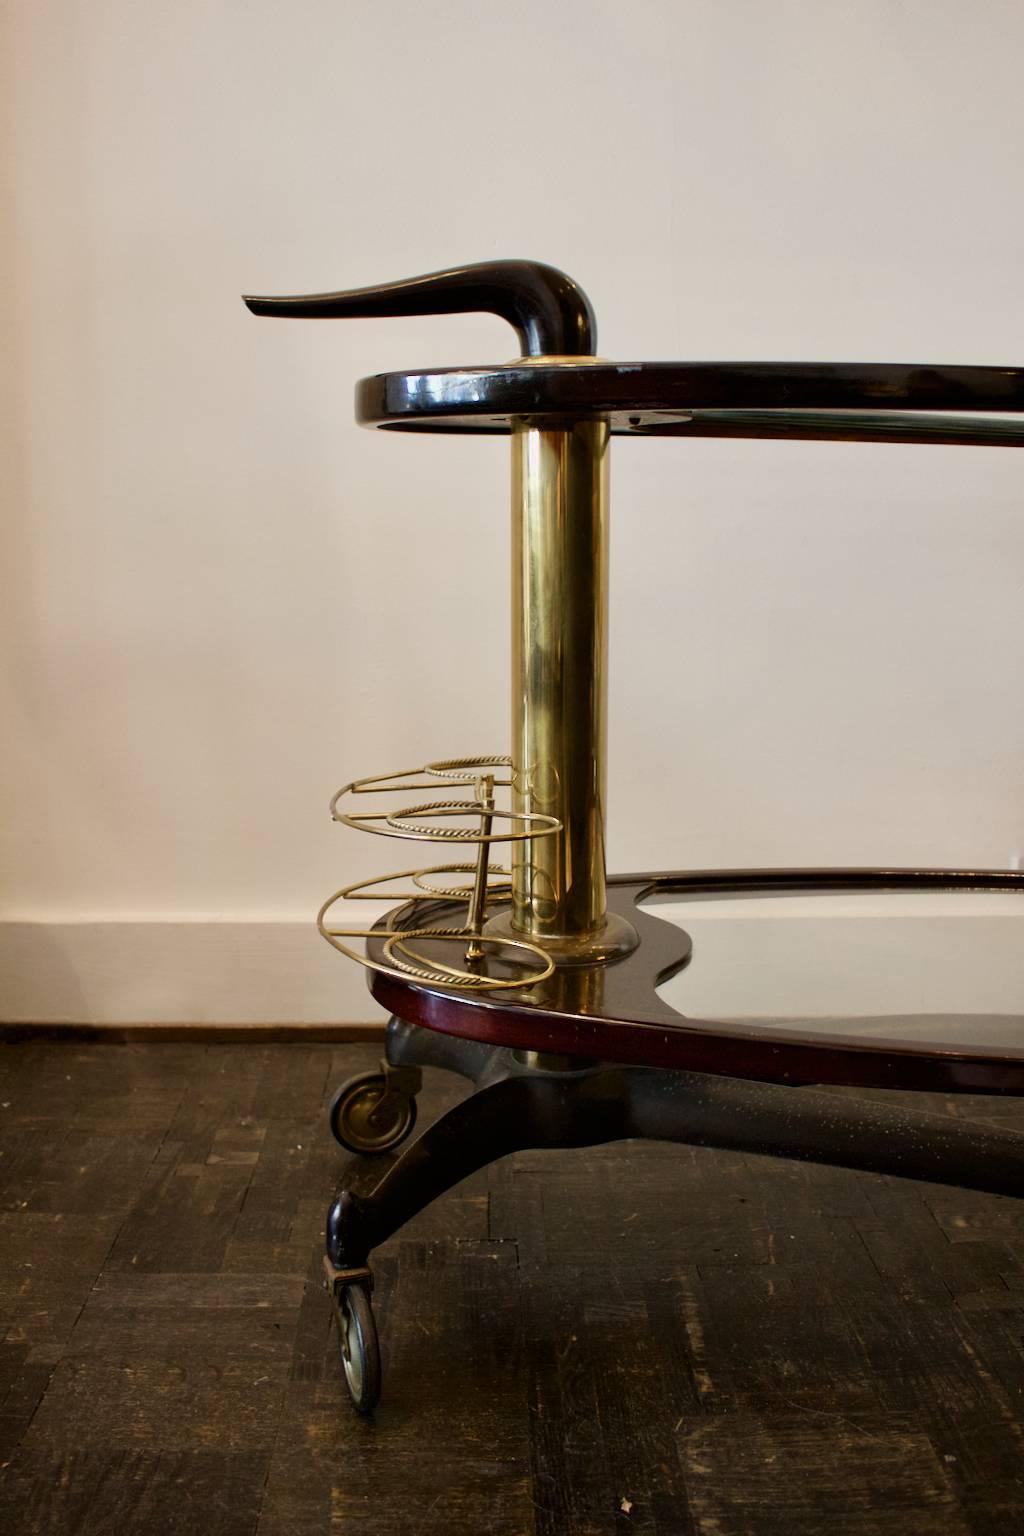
{"points": [[367, 1114], [358, 1346]]}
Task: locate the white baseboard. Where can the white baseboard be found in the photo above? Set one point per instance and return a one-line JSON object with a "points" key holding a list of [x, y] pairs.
{"points": [[790, 955], [166, 972]]}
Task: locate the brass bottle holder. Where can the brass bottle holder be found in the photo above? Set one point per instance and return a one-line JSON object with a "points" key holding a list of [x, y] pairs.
{"points": [[434, 821]]}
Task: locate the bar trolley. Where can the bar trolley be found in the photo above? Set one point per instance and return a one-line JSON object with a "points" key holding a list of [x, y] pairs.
{"points": [[510, 955]]}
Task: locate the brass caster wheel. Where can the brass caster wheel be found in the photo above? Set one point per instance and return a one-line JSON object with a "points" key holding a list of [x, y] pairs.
{"points": [[370, 1113], [358, 1345]]}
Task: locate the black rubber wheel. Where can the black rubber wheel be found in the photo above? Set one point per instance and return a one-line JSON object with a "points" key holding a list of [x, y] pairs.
{"points": [[358, 1346], [367, 1116]]}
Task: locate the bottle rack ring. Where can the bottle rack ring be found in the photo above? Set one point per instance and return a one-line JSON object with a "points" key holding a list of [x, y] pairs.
{"points": [[405, 962], [468, 770], [401, 825]]}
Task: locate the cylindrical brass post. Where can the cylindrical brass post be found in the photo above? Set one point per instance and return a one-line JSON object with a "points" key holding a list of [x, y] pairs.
{"points": [[559, 681]]}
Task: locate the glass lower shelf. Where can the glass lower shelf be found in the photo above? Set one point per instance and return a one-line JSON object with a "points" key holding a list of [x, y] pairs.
{"points": [[945, 967]]}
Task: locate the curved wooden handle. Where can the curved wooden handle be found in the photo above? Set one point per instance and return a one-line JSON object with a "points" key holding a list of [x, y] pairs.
{"points": [[551, 314]]}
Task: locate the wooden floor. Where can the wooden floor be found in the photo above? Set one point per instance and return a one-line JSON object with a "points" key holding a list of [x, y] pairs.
{"points": [[633, 1339]]}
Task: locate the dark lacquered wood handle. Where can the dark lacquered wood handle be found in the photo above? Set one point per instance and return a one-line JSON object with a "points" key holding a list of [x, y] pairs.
{"points": [[551, 314]]}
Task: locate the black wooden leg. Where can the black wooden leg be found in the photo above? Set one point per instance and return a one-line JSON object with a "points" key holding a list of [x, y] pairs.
{"points": [[526, 1108], [485, 1127], [815, 1126], [409, 1045]]}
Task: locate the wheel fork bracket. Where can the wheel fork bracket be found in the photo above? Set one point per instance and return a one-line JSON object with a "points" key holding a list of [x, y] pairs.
{"points": [[337, 1280]]}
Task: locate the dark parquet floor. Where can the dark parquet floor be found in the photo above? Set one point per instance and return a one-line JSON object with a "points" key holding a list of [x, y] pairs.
{"points": [[633, 1339]]}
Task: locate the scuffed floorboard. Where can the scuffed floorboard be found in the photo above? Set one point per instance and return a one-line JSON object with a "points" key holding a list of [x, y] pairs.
{"points": [[631, 1339]]}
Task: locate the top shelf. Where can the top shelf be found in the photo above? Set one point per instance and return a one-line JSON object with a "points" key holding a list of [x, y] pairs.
{"points": [[847, 402], [558, 380]]}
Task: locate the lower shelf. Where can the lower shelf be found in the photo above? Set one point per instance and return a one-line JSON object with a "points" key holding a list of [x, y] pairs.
{"points": [[614, 1012]]}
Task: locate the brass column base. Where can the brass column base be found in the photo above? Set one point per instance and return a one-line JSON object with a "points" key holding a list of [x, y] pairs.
{"points": [[615, 938]]}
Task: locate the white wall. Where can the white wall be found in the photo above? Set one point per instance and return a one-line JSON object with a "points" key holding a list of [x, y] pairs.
{"points": [[219, 598]]}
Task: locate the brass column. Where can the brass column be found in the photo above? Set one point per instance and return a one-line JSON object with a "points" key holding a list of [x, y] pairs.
{"points": [[559, 684]]}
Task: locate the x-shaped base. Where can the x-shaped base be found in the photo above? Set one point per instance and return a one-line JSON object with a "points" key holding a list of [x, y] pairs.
{"points": [[523, 1101]]}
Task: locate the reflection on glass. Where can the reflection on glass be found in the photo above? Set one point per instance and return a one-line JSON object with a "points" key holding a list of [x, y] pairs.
{"points": [[942, 966]]}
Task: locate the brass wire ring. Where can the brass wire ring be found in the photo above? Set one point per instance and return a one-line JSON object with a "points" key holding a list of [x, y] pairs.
{"points": [[424, 970], [357, 891], [427, 969], [500, 887], [468, 770], [400, 826]]}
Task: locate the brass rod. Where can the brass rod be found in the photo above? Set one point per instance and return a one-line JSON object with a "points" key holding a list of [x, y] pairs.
{"points": [[478, 900], [559, 681]]}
